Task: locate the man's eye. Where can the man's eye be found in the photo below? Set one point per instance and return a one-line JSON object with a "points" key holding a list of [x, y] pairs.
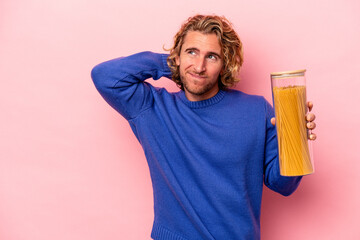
{"points": [[191, 52], [212, 57]]}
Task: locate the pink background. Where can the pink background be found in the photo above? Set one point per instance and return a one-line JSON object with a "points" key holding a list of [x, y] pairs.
{"points": [[70, 167]]}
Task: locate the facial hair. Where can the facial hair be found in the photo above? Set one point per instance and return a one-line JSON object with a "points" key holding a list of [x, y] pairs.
{"points": [[199, 91]]}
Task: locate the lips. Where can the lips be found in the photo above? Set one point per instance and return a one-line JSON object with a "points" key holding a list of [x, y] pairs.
{"points": [[197, 76]]}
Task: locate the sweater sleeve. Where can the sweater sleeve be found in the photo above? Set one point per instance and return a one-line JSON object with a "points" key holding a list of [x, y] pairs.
{"points": [[272, 178], [121, 81]]}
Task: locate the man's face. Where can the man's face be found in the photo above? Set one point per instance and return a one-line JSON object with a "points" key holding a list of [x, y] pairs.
{"points": [[200, 64]]}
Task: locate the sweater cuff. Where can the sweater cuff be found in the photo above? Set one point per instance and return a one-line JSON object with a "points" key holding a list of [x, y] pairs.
{"points": [[166, 69]]}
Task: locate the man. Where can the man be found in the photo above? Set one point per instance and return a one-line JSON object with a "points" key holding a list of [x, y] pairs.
{"points": [[209, 148]]}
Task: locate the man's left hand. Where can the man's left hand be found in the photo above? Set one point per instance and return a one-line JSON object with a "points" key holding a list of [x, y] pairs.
{"points": [[310, 124]]}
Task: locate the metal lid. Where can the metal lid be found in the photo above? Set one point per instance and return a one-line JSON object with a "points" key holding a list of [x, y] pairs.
{"points": [[287, 74]]}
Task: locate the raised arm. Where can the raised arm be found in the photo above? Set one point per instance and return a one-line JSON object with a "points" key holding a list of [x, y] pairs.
{"points": [[272, 177], [121, 81]]}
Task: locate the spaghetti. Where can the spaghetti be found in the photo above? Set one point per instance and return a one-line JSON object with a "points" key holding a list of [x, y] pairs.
{"points": [[290, 110]]}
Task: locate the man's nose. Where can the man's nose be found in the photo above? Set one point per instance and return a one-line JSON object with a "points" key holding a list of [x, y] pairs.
{"points": [[200, 65]]}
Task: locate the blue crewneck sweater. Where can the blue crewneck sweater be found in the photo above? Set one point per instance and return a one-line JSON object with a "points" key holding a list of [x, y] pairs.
{"points": [[208, 160]]}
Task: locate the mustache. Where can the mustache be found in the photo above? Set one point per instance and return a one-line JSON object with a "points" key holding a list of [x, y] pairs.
{"points": [[200, 74]]}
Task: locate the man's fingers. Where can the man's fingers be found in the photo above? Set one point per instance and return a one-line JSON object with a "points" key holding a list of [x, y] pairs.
{"points": [[310, 125], [272, 121], [310, 105], [310, 117], [312, 136]]}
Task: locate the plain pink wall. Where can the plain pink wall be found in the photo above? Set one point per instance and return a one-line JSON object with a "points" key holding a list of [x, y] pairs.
{"points": [[70, 167]]}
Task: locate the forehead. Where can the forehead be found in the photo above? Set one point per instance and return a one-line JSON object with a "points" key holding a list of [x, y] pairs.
{"points": [[205, 42]]}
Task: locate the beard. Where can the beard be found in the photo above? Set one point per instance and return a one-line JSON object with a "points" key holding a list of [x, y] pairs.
{"points": [[196, 89]]}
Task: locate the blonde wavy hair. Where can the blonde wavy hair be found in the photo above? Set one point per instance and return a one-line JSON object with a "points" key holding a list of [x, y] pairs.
{"points": [[232, 51]]}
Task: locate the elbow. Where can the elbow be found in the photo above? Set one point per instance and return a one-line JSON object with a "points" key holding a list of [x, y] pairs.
{"points": [[101, 76], [287, 192], [290, 187], [284, 185], [97, 74]]}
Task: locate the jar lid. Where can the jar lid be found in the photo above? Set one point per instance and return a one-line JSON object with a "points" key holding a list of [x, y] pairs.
{"points": [[287, 74]]}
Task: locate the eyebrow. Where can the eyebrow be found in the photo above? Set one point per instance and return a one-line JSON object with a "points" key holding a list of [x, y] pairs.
{"points": [[209, 53]]}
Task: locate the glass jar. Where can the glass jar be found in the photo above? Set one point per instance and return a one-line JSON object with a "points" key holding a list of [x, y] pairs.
{"points": [[290, 104]]}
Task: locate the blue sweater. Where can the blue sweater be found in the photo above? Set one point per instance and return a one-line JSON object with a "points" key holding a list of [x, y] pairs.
{"points": [[208, 160]]}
